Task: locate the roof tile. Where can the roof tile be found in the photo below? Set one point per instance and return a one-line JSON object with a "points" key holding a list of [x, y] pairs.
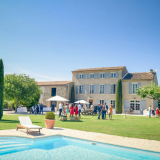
{"points": [[53, 83]]}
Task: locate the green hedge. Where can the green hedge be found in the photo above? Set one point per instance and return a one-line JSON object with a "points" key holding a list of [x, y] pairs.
{"points": [[119, 97], [49, 115]]}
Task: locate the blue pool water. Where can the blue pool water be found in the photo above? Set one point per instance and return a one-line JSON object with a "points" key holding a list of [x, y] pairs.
{"points": [[63, 148]]}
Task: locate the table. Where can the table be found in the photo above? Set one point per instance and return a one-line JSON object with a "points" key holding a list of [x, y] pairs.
{"points": [[21, 109]]}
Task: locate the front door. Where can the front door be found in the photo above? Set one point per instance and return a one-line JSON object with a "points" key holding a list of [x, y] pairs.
{"points": [[90, 102]]}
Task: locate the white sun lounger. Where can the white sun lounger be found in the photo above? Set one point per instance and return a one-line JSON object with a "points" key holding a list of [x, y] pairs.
{"points": [[26, 123]]}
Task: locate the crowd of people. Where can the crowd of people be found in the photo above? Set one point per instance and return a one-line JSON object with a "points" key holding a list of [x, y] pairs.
{"points": [[152, 111], [38, 108]]}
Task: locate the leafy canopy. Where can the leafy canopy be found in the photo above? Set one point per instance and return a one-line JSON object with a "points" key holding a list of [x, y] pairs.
{"points": [[150, 91]]}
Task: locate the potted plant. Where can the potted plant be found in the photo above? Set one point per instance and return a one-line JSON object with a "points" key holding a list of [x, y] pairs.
{"points": [[49, 120]]}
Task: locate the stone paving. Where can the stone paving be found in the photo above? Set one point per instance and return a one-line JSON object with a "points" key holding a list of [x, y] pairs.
{"points": [[143, 144]]}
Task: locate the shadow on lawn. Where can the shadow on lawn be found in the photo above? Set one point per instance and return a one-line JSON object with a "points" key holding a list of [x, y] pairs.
{"points": [[72, 121], [9, 121]]}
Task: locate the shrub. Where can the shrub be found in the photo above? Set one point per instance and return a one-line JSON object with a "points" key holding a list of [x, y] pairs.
{"points": [[119, 97], [49, 115]]}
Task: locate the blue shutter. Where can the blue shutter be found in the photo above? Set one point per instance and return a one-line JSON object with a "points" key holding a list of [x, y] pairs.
{"points": [[108, 103], [76, 89], [97, 88], [139, 84], [87, 75], [97, 101], [105, 89], [105, 76], [94, 88], [84, 89], [143, 104], [116, 88], [109, 75], [77, 76], [105, 101], [84, 76], [109, 88], [126, 105], [87, 88], [130, 88], [97, 75], [117, 74]]}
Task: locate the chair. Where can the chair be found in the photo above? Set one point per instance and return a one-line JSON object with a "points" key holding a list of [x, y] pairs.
{"points": [[26, 123]]}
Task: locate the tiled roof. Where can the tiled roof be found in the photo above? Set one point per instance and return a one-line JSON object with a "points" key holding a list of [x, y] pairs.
{"points": [[99, 69], [139, 76], [53, 83]]}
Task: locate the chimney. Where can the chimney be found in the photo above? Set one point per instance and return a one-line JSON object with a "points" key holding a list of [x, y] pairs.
{"points": [[151, 70]]}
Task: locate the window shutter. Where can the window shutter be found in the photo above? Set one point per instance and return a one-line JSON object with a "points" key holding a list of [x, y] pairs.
{"points": [[87, 75], [87, 88], [97, 88], [116, 88], [108, 103], [77, 76], [84, 76], [109, 88], [139, 84], [126, 105], [130, 88], [97, 101], [117, 75], [105, 75], [105, 89], [76, 89], [94, 88], [97, 75], [109, 75], [143, 104], [84, 89]]}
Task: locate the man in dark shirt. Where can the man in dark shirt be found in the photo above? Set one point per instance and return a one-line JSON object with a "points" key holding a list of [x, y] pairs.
{"points": [[52, 107], [99, 111]]}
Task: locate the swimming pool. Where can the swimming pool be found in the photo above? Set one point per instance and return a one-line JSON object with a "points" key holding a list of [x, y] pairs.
{"points": [[60, 147]]}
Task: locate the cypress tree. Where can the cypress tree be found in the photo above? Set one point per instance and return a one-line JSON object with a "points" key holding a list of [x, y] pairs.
{"points": [[1, 87], [72, 94], [119, 97]]}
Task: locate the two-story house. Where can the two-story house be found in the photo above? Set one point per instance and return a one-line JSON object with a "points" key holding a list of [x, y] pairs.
{"points": [[98, 85]]}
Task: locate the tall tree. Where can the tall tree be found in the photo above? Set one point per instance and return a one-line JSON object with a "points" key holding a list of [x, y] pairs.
{"points": [[1, 87], [72, 94], [20, 88], [151, 91], [119, 97]]}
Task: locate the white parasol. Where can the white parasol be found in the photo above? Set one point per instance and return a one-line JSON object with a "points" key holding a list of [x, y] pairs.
{"points": [[82, 102], [57, 98]]}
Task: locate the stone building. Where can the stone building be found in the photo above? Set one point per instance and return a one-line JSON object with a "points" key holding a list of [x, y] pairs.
{"points": [[53, 88]]}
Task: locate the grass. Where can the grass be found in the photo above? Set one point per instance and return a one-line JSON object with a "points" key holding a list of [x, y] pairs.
{"points": [[132, 126]]}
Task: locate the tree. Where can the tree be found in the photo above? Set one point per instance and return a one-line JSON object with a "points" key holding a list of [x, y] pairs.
{"points": [[119, 97], [1, 87], [20, 88], [72, 94], [150, 91]]}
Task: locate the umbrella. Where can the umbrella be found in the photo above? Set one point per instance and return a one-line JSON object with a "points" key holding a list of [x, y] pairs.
{"points": [[82, 102], [57, 98]]}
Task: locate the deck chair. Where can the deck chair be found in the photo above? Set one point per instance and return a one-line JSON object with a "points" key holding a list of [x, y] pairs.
{"points": [[26, 123]]}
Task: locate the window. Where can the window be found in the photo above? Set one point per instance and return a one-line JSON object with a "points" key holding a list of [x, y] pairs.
{"points": [[101, 101], [80, 89], [113, 88], [113, 75], [81, 76], [135, 105], [113, 103], [91, 89], [91, 76], [53, 92], [135, 86], [101, 89], [102, 75]]}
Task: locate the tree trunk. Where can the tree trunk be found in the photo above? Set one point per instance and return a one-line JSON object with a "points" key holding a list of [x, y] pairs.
{"points": [[16, 105]]}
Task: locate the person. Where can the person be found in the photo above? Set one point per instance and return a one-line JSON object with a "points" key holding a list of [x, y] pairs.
{"points": [[37, 108], [52, 107], [41, 108], [79, 109], [99, 111], [106, 106], [71, 110], [153, 111], [103, 112], [66, 108], [60, 109], [33, 109], [149, 111], [85, 107], [92, 108], [110, 112], [63, 109], [76, 110], [157, 112]]}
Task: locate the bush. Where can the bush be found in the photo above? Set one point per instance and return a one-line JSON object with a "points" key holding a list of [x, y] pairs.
{"points": [[119, 97], [49, 115]]}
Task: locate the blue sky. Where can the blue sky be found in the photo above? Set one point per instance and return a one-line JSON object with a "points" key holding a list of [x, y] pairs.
{"points": [[49, 39]]}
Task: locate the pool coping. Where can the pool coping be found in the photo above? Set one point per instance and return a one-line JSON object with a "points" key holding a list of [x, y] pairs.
{"points": [[132, 143]]}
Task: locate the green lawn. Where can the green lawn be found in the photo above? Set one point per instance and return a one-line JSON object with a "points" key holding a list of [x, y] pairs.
{"points": [[132, 126]]}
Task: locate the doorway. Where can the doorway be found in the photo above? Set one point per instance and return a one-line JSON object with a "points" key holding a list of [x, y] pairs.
{"points": [[90, 102]]}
